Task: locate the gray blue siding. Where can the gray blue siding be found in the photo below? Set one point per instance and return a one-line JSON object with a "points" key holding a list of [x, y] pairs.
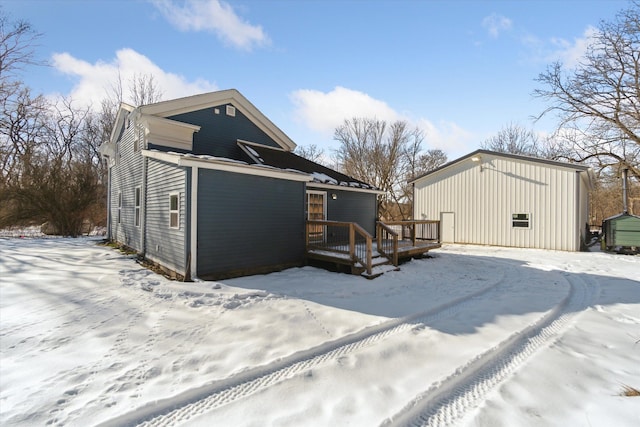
{"points": [[166, 245], [352, 206], [248, 223], [219, 133], [126, 175]]}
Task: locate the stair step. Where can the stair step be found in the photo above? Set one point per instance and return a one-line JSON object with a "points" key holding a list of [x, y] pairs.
{"points": [[379, 270]]}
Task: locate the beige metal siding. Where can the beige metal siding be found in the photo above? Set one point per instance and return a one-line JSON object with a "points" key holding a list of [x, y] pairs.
{"points": [[484, 195]]}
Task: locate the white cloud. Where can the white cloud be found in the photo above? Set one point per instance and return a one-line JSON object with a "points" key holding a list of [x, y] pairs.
{"points": [[570, 54], [216, 16], [449, 137], [323, 112], [495, 24], [95, 81]]}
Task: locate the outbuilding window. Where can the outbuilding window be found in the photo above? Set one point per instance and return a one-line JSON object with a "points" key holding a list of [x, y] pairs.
{"points": [[520, 220], [174, 210]]}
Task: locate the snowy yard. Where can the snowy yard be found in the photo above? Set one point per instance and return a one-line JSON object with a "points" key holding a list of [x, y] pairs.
{"points": [[474, 336]]}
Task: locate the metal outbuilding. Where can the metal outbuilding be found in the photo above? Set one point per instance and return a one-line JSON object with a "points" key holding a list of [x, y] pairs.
{"points": [[500, 199]]}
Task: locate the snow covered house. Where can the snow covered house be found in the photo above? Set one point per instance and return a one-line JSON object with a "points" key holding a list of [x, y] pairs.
{"points": [[500, 199], [208, 186]]}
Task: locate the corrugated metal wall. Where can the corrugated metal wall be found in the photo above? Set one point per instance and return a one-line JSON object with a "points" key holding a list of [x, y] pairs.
{"points": [[164, 244], [126, 175], [247, 223], [484, 195]]}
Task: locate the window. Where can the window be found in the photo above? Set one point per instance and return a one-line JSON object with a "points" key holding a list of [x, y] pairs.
{"points": [[119, 216], [520, 220], [174, 211], [137, 209], [316, 208], [316, 211]]}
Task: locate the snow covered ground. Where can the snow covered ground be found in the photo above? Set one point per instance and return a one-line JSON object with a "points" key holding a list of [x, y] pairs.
{"points": [[474, 336]]}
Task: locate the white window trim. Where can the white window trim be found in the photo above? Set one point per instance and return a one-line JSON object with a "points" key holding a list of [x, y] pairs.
{"points": [[324, 202], [137, 196], [176, 211]]}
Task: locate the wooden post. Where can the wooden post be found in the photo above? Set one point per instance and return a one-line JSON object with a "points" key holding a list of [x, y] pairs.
{"points": [[369, 256], [352, 241], [413, 233]]}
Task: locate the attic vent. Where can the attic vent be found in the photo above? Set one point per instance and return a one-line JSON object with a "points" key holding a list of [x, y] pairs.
{"points": [[231, 110]]}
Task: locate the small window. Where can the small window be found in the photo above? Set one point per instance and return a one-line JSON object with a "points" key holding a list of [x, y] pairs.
{"points": [[137, 209], [174, 211], [119, 216], [520, 220]]}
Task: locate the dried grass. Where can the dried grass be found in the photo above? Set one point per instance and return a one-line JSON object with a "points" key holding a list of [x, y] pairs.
{"points": [[629, 391]]}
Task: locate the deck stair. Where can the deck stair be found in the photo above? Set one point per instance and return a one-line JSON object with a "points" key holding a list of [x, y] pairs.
{"points": [[348, 244]]}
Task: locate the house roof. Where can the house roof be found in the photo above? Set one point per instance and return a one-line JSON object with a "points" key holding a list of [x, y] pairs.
{"points": [[577, 167], [289, 161], [218, 98]]}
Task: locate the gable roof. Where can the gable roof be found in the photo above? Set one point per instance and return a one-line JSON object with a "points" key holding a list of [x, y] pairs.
{"points": [[574, 166], [286, 160], [219, 98]]}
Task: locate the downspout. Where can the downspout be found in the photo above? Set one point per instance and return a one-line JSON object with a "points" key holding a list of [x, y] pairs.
{"points": [[107, 160], [193, 254], [578, 215], [143, 207], [625, 202]]}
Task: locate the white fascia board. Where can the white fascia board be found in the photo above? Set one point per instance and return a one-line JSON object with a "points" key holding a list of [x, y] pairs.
{"points": [[227, 166], [213, 99], [168, 133], [159, 155], [344, 188]]}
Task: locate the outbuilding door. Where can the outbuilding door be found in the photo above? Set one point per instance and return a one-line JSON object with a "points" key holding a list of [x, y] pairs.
{"points": [[447, 227]]}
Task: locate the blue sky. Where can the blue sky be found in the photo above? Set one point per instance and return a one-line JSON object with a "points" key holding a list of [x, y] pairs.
{"points": [[460, 70]]}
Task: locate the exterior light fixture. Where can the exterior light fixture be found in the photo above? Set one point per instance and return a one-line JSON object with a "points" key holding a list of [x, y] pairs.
{"points": [[334, 196]]}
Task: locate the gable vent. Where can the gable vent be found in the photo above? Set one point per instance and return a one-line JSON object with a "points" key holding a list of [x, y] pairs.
{"points": [[231, 110]]}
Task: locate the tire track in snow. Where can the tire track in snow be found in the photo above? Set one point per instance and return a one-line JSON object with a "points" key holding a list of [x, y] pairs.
{"points": [[194, 402], [449, 400]]}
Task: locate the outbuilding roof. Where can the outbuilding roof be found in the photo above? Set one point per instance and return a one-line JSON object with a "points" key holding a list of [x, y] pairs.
{"points": [[577, 167]]}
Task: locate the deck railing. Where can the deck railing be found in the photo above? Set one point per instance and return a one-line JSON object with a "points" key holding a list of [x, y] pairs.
{"points": [[416, 230], [344, 238], [387, 242], [353, 244]]}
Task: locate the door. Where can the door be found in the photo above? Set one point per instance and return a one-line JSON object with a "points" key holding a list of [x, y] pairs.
{"points": [[316, 211], [447, 227]]}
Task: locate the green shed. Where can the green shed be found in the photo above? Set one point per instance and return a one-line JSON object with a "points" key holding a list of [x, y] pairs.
{"points": [[621, 230]]}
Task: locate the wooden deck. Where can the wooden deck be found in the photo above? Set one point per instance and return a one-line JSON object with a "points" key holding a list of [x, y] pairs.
{"points": [[347, 244]]}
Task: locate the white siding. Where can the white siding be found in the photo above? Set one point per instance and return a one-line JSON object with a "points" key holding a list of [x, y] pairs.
{"points": [[484, 195]]}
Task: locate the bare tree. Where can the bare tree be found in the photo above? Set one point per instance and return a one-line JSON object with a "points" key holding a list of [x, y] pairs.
{"points": [[598, 101], [17, 39], [143, 90], [310, 152], [513, 139], [381, 154]]}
